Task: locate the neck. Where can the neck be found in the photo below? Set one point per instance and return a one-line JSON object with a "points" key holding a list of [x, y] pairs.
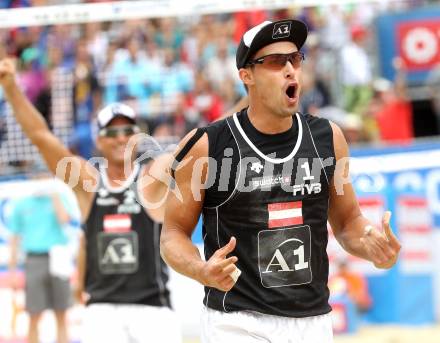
{"points": [[116, 172], [267, 122]]}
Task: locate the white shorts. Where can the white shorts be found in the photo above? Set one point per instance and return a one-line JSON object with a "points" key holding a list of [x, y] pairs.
{"points": [[253, 327], [126, 323]]}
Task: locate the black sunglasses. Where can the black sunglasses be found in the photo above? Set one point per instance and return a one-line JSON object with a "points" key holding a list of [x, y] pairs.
{"points": [[278, 61], [114, 131]]}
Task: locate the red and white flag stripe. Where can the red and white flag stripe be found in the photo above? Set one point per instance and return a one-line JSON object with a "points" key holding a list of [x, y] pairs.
{"points": [[117, 223], [285, 214]]}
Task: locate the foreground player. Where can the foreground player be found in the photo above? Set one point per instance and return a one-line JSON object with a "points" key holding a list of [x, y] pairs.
{"points": [[119, 261], [274, 184]]}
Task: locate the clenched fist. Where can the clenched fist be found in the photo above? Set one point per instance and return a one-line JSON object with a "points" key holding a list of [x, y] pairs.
{"points": [[7, 73], [382, 247]]}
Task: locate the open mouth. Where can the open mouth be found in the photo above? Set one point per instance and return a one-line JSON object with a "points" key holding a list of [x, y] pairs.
{"points": [[291, 91]]}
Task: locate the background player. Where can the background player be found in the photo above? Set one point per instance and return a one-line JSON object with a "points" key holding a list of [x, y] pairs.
{"points": [[119, 260]]}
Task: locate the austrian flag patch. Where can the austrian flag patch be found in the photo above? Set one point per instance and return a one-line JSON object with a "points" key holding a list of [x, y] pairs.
{"points": [[117, 223], [285, 214]]}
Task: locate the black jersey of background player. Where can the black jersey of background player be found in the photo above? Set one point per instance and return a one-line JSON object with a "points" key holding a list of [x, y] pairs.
{"points": [[275, 202], [123, 262]]}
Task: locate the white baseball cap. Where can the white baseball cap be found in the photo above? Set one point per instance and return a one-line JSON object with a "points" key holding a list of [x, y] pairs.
{"points": [[113, 110]]}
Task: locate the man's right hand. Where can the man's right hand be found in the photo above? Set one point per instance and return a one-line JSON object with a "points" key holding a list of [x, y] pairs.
{"points": [[79, 295], [7, 73], [216, 272]]}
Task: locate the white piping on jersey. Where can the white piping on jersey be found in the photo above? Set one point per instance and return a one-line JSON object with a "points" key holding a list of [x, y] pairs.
{"points": [[218, 236], [239, 171], [218, 243], [317, 153], [126, 183], [207, 296], [224, 298], [209, 291], [159, 280], [267, 158]]}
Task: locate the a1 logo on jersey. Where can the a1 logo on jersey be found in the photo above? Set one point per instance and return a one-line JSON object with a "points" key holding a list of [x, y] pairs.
{"points": [[284, 256], [118, 252]]}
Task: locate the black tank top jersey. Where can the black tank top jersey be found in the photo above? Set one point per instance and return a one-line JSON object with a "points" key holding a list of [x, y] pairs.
{"points": [[122, 244], [275, 202]]}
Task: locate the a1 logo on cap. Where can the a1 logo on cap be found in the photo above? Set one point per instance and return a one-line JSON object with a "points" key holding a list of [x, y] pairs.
{"points": [[281, 30]]}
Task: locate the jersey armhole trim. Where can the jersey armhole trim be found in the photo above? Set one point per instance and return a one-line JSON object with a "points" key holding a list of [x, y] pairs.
{"points": [[239, 172], [186, 148]]}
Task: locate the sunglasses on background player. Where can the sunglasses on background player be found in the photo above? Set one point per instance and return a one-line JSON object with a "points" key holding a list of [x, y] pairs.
{"points": [[278, 61], [114, 131]]}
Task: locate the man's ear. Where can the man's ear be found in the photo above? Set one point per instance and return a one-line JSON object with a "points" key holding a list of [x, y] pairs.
{"points": [[246, 76]]}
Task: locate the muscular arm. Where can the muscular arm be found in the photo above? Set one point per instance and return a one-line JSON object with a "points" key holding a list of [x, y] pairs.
{"points": [[50, 147], [60, 211], [348, 223], [81, 269], [154, 186], [181, 215]]}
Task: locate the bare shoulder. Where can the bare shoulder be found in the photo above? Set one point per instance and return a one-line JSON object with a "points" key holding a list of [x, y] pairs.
{"points": [[339, 142], [199, 149]]}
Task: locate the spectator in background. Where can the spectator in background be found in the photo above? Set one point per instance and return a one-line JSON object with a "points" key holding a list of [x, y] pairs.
{"points": [[64, 38], [228, 93], [203, 104], [107, 76], [333, 30], [433, 82], [314, 94], [86, 99], [222, 65], [356, 286], [176, 79], [168, 35], [193, 44], [352, 129], [3, 128], [37, 222], [32, 78], [351, 124], [85, 85], [356, 71], [245, 20], [97, 43], [319, 67], [393, 109], [133, 77]]}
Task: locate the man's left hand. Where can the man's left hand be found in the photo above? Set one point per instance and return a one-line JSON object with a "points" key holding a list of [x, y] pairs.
{"points": [[382, 247]]}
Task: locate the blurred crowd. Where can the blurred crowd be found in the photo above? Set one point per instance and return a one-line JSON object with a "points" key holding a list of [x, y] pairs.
{"points": [[179, 73]]}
